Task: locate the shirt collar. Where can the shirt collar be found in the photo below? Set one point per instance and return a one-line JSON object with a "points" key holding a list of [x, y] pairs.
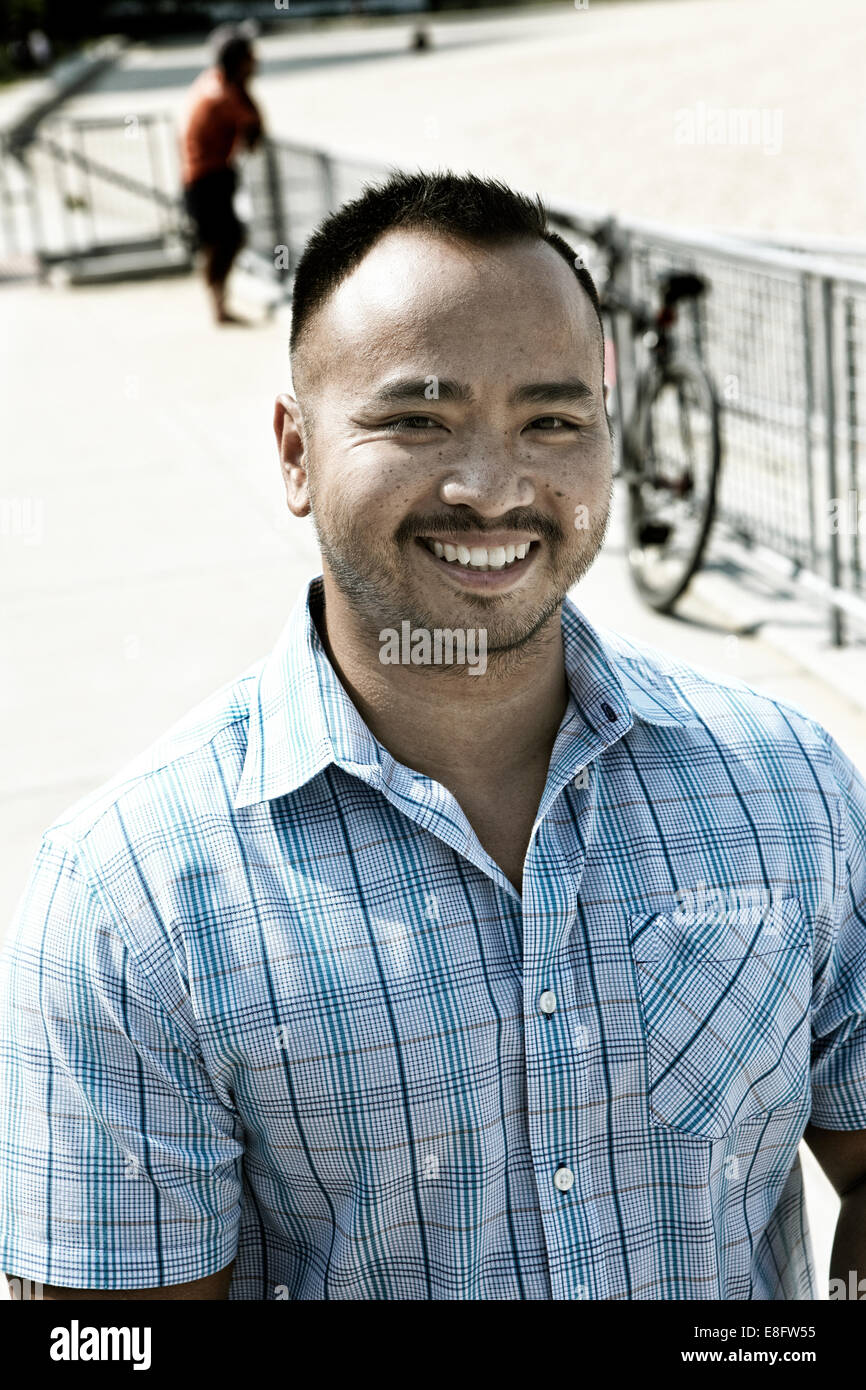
{"points": [[302, 719]]}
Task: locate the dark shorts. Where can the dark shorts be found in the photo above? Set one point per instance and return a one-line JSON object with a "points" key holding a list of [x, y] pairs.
{"points": [[209, 202]]}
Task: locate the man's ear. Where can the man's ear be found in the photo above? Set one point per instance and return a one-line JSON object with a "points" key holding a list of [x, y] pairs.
{"points": [[289, 431]]}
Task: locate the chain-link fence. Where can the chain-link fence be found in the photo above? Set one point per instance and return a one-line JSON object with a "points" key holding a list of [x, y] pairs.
{"points": [[783, 335]]}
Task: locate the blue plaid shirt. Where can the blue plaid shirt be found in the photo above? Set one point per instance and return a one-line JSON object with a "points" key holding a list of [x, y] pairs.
{"points": [[267, 997]]}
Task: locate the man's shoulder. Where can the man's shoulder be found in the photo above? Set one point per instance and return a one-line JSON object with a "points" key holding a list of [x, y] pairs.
{"points": [[206, 94], [713, 701], [189, 770]]}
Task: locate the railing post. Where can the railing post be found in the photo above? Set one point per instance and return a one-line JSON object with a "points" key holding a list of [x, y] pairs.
{"points": [[279, 223], [69, 227], [11, 239], [628, 271], [623, 342], [329, 196], [87, 185], [851, 414], [828, 302], [809, 408], [614, 337], [154, 166], [36, 230]]}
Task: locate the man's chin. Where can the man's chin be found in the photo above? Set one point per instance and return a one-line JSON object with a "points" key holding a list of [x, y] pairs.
{"points": [[508, 621]]}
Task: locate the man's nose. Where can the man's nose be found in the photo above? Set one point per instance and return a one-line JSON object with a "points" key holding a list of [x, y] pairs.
{"points": [[491, 482]]}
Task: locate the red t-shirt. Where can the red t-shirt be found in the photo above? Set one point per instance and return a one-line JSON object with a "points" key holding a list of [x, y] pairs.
{"points": [[219, 115]]}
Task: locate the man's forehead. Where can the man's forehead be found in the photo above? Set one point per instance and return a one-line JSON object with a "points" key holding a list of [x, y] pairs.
{"points": [[416, 288]]}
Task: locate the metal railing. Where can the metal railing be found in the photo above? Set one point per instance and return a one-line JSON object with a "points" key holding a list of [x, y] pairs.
{"points": [[784, 337], [89, 187], [291, 188], [783, 333]]}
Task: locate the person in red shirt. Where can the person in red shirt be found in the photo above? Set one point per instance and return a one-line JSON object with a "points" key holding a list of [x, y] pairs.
{"points": [[221, 117]]}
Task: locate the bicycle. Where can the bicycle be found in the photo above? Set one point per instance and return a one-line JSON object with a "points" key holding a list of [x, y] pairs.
{"points": [[671, 442]]}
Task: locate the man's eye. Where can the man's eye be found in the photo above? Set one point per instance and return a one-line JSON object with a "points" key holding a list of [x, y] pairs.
{"points": [[409, 422], [554, 423]]}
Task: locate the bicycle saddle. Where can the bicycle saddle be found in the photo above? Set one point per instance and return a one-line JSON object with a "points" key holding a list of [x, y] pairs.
{"points": [[677, 285]]}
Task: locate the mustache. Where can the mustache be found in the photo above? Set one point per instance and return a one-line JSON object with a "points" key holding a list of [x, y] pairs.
{"points": [[458, 524]]}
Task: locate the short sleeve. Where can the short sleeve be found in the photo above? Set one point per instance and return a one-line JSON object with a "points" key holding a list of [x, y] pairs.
{"points": [[839, 1018], [120, 1166]]}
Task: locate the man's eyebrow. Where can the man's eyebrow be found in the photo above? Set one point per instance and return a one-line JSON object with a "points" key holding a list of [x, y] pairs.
{"points": [[420, 388], [549, 392], [403, 389]]}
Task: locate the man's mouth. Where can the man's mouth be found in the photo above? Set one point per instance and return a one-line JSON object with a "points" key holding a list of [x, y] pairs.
{"points": [[480, 558]]}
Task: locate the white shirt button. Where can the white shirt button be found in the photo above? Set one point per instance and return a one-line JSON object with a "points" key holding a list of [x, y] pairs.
{"points": [[547, 1002], [564, 1179]]}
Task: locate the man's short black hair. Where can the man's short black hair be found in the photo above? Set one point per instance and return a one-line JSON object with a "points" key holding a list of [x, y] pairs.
{"points": [[231, 47], [461, 205]]}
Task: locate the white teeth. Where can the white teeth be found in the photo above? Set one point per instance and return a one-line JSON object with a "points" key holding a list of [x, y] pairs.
{"points": [[479, 557]]}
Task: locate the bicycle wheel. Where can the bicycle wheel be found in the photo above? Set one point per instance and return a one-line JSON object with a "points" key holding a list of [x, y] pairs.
{"points": [[672, 470]]}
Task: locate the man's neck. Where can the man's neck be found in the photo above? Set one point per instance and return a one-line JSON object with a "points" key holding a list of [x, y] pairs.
{"points": [[454, 727], [234, 82]]}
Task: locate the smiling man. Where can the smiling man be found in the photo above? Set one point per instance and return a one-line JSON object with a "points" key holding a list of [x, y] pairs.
{"points": [[395, 979]]}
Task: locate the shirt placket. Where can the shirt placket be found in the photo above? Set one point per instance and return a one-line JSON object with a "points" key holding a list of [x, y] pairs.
{"points": [[557, 1032]]}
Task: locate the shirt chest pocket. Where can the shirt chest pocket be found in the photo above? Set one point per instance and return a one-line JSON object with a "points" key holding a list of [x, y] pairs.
{"points": [[726, 1001]]}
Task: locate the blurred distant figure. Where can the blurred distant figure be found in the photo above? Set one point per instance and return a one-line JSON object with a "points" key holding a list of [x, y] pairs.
{"points": [[221, 118], [40, 48]]}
